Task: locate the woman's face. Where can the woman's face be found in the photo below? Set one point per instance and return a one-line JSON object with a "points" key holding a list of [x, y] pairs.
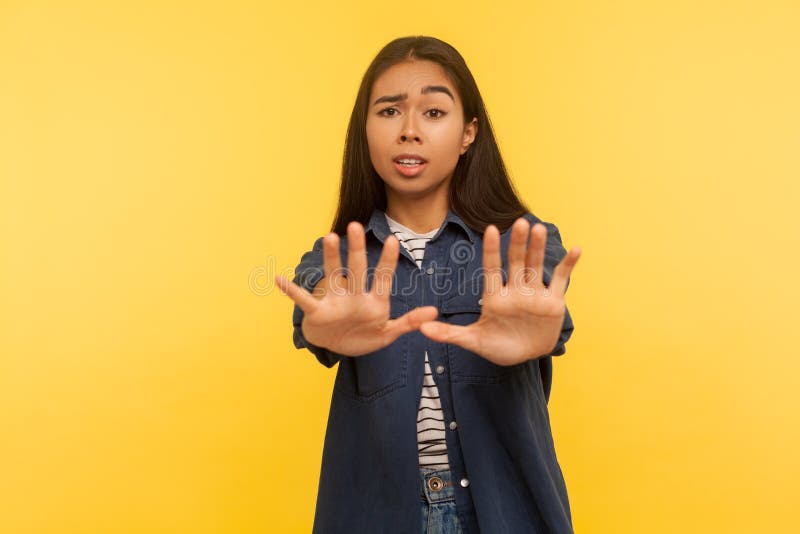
{"points": [[417, 113]]}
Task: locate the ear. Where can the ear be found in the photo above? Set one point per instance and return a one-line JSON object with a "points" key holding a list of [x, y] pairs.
{"points": [[470, 131]]}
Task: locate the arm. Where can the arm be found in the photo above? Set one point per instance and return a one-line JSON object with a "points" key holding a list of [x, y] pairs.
{"points": [[308, 274], [554, 252]]}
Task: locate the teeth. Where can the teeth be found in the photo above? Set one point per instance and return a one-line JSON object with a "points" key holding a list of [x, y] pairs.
{"points": [[409, 161]]}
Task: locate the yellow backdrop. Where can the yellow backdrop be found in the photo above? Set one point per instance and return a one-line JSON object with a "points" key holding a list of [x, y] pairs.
{"points": [[159, 162]]}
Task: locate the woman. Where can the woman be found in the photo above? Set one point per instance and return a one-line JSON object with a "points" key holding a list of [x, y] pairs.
{"points": [[435, 425]]}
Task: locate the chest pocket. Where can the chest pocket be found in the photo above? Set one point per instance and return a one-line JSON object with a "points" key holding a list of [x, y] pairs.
{"points": [[371, 376], [463, 307]]}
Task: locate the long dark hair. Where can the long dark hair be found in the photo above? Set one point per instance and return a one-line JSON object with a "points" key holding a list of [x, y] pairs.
{"points": [[481, 192]]}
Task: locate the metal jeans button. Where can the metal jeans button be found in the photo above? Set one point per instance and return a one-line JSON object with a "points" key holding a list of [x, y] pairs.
{"points": [[435, 484]]}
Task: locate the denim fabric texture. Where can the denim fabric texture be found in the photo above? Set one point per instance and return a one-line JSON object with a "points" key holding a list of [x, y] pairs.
{"points": [[499, 439], [439, 514]]}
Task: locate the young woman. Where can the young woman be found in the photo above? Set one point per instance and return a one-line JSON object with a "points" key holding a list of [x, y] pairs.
{"points": [[444, 321]]}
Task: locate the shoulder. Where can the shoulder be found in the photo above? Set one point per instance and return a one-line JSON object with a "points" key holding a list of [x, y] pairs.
{"points": [[552, 229], [554, 246]]}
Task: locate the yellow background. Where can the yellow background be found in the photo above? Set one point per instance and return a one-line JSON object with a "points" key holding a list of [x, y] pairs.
{"points": [[160, 161]]}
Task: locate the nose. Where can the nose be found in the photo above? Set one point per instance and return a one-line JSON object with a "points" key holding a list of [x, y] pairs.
{"points": [[409, 130]]}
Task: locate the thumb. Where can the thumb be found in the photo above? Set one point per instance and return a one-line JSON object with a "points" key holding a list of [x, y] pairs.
{"points": [[463, 336], [436, 330], [411, 320]]}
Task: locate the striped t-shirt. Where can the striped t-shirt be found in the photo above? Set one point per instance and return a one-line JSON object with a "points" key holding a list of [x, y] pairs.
{"points": [[430, 419]]}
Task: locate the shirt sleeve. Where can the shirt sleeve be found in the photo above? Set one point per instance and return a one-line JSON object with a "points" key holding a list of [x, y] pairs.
{"points": [[310, 271], [553, 253]]}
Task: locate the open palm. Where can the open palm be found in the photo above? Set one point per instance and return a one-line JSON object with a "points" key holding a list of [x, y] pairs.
{"points": [[522, 319], [345, 318]]}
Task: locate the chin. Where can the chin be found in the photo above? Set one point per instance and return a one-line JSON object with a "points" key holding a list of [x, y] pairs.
{"points": [[414, 187]]}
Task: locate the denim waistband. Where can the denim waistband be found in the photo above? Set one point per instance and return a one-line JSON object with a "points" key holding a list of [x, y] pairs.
{"points": [[437, 485]]}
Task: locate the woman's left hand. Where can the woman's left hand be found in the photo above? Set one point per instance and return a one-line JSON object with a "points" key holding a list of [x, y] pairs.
{"points": [[521, 320]]}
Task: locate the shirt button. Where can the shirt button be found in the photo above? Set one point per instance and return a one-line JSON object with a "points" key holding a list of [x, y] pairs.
{"points": [[464, 482], [480, 301], [429, 270], [453, 425], [439, 369]]}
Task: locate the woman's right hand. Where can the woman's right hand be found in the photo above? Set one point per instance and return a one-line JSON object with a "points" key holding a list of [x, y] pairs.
{"points": [[346, 319]]}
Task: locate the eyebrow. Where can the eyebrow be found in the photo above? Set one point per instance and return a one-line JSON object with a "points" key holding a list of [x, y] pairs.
{"points": [[425, 90]]}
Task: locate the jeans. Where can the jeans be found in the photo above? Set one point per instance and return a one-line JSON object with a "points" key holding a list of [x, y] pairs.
{"points": [[438, 502]]}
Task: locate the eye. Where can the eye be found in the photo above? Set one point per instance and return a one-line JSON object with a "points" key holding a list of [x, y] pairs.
{"points": [[438, 113]]}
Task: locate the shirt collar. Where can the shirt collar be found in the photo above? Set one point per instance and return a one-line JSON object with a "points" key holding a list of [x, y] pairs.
{"points": [[378, 225]]}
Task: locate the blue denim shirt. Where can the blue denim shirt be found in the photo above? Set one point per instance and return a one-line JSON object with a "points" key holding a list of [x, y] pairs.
{"points": [[500, 448]]}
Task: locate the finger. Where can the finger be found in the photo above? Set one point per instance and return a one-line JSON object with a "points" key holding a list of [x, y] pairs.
{"points": [[516, 253], [492, 264], [300, 296], [332, 259], [356, 258], [384, 272], [463, 336], [558, 283], [534, 259], [410, 321]]}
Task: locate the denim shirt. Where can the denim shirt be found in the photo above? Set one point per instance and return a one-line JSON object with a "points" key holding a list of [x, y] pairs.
{"points": [[499, 441]]}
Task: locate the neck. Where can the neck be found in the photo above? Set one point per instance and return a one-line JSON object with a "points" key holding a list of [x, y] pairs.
{"points": [[420, 214]]}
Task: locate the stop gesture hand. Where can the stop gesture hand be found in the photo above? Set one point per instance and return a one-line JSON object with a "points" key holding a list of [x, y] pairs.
{"points": [[523, 319], [345, 318]]}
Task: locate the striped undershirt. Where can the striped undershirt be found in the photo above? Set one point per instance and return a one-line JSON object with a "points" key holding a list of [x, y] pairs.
{"points": [[431, 442]]}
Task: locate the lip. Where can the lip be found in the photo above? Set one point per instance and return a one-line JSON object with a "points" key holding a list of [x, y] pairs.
{"points": [[409, 155], [410, 171]]}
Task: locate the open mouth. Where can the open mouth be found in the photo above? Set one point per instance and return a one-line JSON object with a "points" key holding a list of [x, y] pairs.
{"points": [[409, 162], [409, 165], [410, 168]]}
